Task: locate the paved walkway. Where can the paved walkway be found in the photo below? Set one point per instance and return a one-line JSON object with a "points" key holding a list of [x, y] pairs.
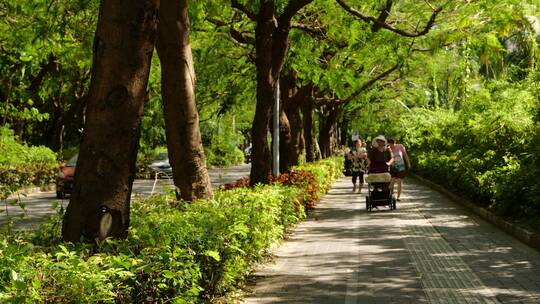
{"points": [[429, 250]]}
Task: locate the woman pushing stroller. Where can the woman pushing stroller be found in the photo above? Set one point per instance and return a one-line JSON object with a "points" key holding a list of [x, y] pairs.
{"points": [[380, 156]]}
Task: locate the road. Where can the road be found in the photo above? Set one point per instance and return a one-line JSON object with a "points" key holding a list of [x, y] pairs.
{"points": [[39, 205]]}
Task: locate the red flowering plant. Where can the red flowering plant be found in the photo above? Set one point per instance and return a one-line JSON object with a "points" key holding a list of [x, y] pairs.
{"points": [[303, 180]]}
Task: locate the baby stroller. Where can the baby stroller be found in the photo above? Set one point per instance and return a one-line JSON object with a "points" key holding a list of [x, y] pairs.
{"points": [[379, 193]]}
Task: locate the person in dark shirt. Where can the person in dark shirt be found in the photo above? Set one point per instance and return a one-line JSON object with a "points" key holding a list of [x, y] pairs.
{"points": [[380, 157]]}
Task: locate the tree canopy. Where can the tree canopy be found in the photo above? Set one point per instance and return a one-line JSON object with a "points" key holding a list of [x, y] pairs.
{"points": [[402, 68]]}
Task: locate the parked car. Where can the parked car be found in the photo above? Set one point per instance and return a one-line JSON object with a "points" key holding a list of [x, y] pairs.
{"points": [[64, 179], [161, 165]]}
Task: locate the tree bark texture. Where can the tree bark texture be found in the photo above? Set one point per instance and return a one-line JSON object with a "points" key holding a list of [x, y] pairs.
{"points": [[123, 46], [184, 143]]}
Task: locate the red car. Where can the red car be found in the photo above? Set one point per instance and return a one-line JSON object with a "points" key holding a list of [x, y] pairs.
{"points": [[64, 179]]}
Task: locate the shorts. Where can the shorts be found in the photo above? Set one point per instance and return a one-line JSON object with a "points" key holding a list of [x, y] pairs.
{"points": [[358, 175], [401, 174]]}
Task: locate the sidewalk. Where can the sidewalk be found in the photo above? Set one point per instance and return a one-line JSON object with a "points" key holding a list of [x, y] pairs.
{"points": [[429, 250]]}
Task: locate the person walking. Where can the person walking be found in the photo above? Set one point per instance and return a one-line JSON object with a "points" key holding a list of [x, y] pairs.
{"points": [[362, 164], [400, 166], [357, 158], [380, 156]]}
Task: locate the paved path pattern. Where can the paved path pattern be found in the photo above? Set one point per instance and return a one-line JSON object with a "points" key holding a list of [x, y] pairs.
{"points": [[429, 250]]}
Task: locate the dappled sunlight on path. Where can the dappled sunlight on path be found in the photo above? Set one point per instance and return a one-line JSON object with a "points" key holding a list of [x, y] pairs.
{"points": [[429, 250]]}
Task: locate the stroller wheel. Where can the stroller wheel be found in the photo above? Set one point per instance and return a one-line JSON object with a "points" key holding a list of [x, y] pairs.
{"points": [[367, 203]]}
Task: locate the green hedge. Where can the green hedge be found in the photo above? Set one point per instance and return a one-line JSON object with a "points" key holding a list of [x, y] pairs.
{"points": [[487, 151], [175, 252], [21, 165]]}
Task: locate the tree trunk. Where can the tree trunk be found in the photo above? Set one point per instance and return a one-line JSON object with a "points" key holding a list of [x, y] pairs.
{"points": [[271, 44], [327, 130], [261, 167], [184, 143], [261, 160], [56, 135], [344, 127], [285, 142], [307, 122], [293, 98], [287, 90], [292, 110], [123, 46]]}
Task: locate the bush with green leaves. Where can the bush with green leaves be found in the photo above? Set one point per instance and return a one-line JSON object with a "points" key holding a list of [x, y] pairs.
{"points": [[326, 171], [175, 252], [21, 165], [487, 150], [221, 143]]}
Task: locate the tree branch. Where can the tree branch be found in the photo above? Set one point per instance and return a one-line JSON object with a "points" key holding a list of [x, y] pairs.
{"points": [[377, 24], [315, 32], [385, 12], [236, 5], [365, 87], [290, 10], [236, 35], [50, 66], [368, 84]]}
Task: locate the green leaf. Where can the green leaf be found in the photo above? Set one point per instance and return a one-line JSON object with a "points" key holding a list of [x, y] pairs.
{"points": [[14, 275], [213, 254], [168, 274]]}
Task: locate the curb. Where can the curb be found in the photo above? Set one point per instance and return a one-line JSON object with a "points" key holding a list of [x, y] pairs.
{"points": [[531, 239]]}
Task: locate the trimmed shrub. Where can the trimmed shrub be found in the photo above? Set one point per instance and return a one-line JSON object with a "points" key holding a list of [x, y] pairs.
{"points": [[175, 252], [22, 166]]}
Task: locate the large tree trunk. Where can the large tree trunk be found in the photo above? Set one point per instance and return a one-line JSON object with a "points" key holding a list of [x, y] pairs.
{"points": [[123, 46], [261, 159], [184, 143], [261, 167]]}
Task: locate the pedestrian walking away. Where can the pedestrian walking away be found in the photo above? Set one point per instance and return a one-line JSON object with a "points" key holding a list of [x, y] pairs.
{"points": [[399, 168]]}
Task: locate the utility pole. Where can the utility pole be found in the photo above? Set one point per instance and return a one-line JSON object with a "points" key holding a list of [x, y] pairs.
{"points": [[275, 141]]}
